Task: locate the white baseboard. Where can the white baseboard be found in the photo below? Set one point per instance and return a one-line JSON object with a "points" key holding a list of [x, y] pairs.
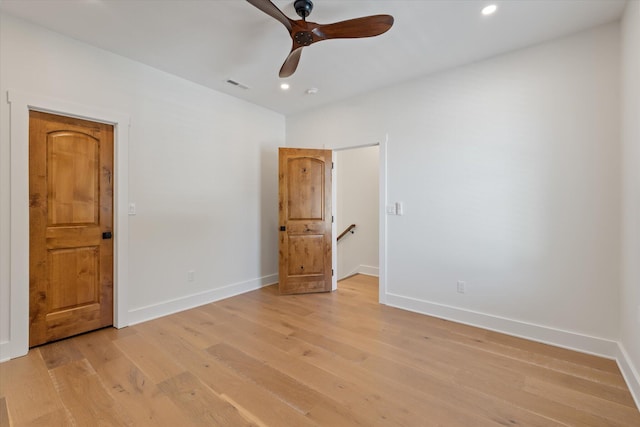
{"points": [[165, 308], [5, 353], [630, 373], [367, 270], [559, 338]]}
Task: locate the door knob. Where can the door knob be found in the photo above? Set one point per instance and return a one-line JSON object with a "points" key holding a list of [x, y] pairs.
{"points": [[106, 235]]}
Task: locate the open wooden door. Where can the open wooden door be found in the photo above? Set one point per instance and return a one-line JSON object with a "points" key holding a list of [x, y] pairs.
{"points": [[71, 225], [305, 220]]}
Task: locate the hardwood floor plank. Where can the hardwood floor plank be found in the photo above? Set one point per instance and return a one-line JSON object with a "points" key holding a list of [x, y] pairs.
{"points": [[403, 380], [261, 404], [60, 417], [24, 381], [332, 359], [148, 358], [542, 359], [588, 360], [316, 379], [140, 398], [288, 389], [587, 402], [553, 363], [200, 404], [98, 347], [59, 354], [266, 408], [459, 346], [465, 353], [368, 390], [491, 381], [191, 327], [4, 412], [562, 374], [86, 400]]}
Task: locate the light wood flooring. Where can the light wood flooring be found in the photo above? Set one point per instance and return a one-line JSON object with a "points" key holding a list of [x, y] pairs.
{"points": [[337, 359]]}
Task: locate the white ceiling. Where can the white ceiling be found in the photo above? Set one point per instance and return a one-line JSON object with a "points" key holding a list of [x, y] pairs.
{"points": [[210, 41]]}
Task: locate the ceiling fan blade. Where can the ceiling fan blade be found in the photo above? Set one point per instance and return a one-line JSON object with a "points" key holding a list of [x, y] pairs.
{"points": [[272, 10], [291, 63], [368, 26]]}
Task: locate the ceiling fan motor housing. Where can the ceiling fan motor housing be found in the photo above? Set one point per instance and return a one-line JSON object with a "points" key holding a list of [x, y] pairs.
{"points": [[303, 7], [303, 38]]}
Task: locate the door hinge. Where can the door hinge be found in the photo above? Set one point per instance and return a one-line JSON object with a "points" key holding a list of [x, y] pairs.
{"points": [[332, 165], [332, 272]]}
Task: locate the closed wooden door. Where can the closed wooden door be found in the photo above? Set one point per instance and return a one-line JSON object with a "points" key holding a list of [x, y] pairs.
{"points": [[305, 220], [71, 224]]}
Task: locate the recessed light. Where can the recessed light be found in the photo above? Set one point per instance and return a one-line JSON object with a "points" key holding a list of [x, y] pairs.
{"points": [[284, 86], [489, 10]]}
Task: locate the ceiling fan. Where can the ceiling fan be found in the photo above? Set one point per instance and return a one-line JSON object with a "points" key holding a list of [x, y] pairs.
{"points": [[305, 33]]}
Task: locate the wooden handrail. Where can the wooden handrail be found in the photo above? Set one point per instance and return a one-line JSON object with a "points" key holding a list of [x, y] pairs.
{"points": [[348, 229]]}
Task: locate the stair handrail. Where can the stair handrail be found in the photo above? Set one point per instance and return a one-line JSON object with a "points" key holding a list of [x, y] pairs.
{"points": [[346, 231]]}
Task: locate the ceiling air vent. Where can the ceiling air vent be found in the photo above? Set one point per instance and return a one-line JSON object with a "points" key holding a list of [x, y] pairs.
{"points": [[235, 83]]}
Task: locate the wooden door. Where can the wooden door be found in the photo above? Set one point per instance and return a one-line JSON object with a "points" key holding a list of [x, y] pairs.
{"points": [[71, 221], [305, 220]]}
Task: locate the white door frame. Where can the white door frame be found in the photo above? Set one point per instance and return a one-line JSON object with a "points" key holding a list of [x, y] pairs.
{"points": [[382, 216], [20, 105]]}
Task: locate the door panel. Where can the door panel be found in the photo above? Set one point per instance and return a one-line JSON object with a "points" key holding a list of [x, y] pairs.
{"points": [[72, 178], [306, 254], [70, 206], [305, 178], [305, 220], [73, 278]]}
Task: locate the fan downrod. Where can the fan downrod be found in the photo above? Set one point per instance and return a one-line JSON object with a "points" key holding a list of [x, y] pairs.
{"points": [[303, 8]]}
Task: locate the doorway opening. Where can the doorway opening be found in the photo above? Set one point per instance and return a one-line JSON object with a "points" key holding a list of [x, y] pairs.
{"points": [[357, 201]]}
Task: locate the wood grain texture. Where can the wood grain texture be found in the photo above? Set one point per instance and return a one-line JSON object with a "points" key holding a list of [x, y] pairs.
{"points": [[72, 177], [305, 243], [70, 206], [4, 413], [328, 359]]}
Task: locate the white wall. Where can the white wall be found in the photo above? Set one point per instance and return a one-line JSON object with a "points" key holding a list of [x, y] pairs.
{"points": [[630, 294], [357, 199], [202, 170], [509, 169]]}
